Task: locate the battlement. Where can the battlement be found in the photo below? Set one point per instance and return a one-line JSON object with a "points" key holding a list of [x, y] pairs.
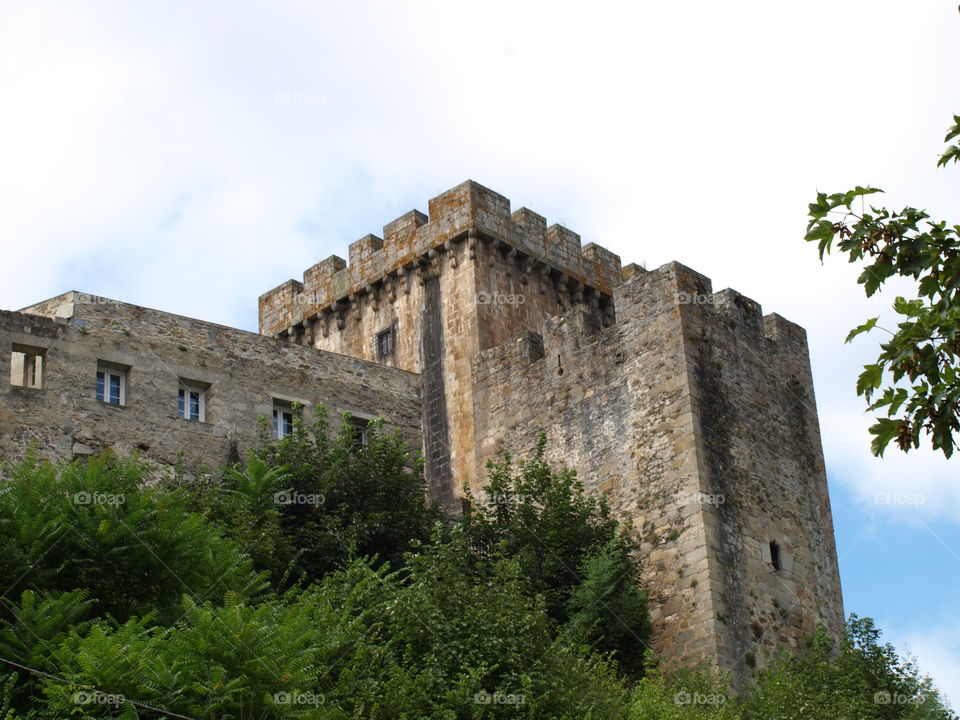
{"points": [[468, 213], [643, 296]]}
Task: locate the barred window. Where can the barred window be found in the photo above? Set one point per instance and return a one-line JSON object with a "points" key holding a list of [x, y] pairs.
{"points": [[386, 342]]}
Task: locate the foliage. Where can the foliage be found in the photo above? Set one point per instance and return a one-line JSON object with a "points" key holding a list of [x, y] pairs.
{"points": [[458, 627], [486, 650], [568, 547], [242, 502], [856, 678], [96, 526], [691, 694], [610, 608], [427, 642], [344, 499], [916, 377]]}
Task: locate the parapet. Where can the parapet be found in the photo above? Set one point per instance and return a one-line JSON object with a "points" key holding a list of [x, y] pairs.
{"points": [[60, 306], [468, 213]]}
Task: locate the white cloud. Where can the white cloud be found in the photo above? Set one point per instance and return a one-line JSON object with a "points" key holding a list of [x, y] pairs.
{"points": [[936, 645]]}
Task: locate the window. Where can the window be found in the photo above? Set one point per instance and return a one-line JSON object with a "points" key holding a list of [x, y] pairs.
{"points": [[386, 342], [282, 420], [111, 385], [192, 402], [27, 366], [361, 434], [775, 559]]}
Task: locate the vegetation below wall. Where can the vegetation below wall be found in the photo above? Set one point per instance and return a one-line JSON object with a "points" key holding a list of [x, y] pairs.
{"points": [[313, 582]]}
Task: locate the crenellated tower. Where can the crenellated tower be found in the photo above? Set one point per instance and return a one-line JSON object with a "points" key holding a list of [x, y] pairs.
{"points": [[433, 293], [689, 409]]}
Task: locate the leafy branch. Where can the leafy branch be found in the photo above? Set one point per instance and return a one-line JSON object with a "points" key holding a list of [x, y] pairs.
{"points": [[916, 377]]}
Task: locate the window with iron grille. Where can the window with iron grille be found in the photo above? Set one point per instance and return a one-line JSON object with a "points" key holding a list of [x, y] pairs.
{"points": [[386, 342]]}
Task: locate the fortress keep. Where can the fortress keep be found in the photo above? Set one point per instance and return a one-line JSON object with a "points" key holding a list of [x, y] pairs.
{"points": [[473, 329]]}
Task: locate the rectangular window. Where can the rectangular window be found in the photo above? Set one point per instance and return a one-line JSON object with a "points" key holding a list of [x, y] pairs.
{"points": [[386, 342], [27, 366], [112, 385], [776, 559], [282, 421], [361, 434], [192, 402]]}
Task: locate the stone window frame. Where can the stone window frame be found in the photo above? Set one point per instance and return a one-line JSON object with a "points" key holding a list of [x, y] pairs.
{"points": [[32, 363], [192, 386], [109, 371], [385, 342], [361, 434], [360, 421], [282, 409], [776, 555]]}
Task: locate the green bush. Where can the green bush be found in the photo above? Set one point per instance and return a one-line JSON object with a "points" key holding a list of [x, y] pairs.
{"points": [[856, 678], [529, 608], [350, 500], [568, 548], [96, 525]]}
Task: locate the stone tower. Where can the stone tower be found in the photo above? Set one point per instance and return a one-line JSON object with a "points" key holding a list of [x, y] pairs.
{"points": [[691, 410], [446, 290]]}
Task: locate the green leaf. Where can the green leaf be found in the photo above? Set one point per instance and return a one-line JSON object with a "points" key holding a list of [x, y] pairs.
{"points": [[883, 432], [869, 379], [866, 327], [950, 154], [954, 130]]}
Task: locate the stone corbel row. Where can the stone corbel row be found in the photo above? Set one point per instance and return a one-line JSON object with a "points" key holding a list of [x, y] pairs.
{"points": [[522, 266], [399, 280]]}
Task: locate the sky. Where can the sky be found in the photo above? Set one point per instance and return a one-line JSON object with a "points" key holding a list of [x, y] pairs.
{"points": [[191, 156]]}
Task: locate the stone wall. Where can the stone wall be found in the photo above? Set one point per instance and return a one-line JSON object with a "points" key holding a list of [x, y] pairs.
{"points": [[696, 417], [688, 409], [472, 273], [243, 373], [468, 213], [759, 437]]}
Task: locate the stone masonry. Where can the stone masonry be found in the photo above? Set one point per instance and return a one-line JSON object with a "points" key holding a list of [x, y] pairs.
{"points": [[472, 329], [243, 376], [689, 409]]}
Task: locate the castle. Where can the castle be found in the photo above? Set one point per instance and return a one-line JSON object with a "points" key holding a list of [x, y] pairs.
{"points": [[472, 329]]}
